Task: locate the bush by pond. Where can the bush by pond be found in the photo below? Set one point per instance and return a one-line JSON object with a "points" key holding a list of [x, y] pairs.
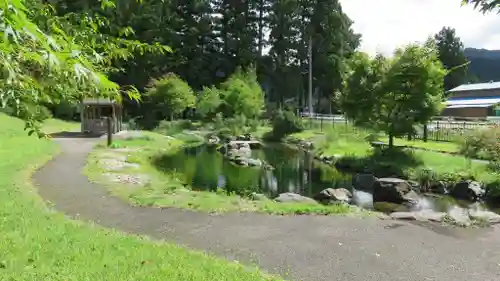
{"points": [[482, 143], [285, 122]]}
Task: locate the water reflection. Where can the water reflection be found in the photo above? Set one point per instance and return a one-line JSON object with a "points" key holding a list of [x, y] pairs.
{"points": [[294, 171]]}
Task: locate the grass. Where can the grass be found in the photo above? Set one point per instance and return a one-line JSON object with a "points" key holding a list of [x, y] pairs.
{"points": [[56, 125], [344, 139], [430, 145], [39, 244], [341, 140], [351, 143], [166, 189]]}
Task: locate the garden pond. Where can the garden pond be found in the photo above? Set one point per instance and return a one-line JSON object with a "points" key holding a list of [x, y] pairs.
{"points": [[295, 171]]}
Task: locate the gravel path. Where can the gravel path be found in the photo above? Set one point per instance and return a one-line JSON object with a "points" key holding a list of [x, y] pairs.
{"points": [[308, 248]]}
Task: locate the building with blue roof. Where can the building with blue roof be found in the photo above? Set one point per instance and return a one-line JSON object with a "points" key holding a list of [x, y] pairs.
{"points": [[478, 100]]}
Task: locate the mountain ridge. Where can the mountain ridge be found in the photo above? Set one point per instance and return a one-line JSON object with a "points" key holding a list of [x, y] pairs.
{"points": [[484, 65]]}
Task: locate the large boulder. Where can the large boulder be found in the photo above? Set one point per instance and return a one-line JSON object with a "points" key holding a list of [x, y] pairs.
{"points": [[393, 190], [245, 151], [363, 181], [468, 190], [232, 146], [439, 187], [293, 197], [334, 195]]}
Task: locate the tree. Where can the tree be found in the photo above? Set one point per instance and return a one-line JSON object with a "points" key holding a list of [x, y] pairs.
{"points": [[451, 54], [242, 94], [334, 41], [393, 95], [169, 95], [47, 58], [208, 102], [293, 23], [483, 5]]}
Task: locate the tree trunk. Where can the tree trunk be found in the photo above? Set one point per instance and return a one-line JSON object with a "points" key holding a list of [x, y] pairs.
{"points": [[310, 102], [391, 140], [261, 27]]}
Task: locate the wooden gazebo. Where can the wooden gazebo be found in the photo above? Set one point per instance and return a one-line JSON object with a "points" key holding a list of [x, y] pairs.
{"points": [[94, 112]]}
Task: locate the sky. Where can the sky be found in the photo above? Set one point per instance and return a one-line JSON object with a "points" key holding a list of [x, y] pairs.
{"points": [[387, 24]]}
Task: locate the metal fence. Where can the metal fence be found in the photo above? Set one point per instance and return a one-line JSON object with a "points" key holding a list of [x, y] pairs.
{"points": [[436, 130]]}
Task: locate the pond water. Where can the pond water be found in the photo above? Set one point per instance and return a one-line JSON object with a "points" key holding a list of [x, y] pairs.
{"points": [[294, 171]]}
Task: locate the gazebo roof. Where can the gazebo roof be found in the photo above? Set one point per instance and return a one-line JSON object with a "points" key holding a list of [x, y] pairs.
{"points": [[98, 101]]}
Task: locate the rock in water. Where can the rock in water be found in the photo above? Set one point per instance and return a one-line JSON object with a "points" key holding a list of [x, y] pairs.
{"points": [[483, 215], [363, 181], [460, 216], [213, 140], [254, 162], [245, 151], [392, 190], [334, 195], [439, 187], [468, 190], [293, 197]]}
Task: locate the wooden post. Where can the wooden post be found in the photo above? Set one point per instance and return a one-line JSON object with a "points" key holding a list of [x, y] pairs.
{"points": [[437, 131], [110, 131], [82, 117], [425, 133]]}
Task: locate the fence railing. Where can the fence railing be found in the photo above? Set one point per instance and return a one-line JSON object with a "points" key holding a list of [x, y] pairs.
{"points": [[436, 130]]}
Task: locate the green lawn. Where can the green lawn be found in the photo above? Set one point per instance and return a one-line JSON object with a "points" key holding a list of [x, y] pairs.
{"points": [[349, 141], [431, 145], [444, 163], [166, 190], [39, 244], [56, 125], [341, 140]]}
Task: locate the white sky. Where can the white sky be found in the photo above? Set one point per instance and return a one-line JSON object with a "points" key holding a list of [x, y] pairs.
{"points": [[387, 24]]}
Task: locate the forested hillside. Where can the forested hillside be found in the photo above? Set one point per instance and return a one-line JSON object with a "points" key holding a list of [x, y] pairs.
{"points": [[484, 65]]}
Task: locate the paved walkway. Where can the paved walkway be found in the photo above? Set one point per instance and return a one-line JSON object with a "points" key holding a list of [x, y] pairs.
{"points": [[305, 248]]}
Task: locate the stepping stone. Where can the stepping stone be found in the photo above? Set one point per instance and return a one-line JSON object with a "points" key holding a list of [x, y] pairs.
{"points": [[139, 179], [116, 165]]}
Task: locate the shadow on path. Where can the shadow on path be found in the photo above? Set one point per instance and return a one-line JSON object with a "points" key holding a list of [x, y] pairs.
{"points": [[306, 248], [74, 135]]}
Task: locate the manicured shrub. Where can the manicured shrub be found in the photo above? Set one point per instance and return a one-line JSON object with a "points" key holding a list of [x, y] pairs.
{"points": [[285, 123]]}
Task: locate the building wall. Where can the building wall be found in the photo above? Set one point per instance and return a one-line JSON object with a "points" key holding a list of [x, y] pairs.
{"points": [[466, 112]]}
